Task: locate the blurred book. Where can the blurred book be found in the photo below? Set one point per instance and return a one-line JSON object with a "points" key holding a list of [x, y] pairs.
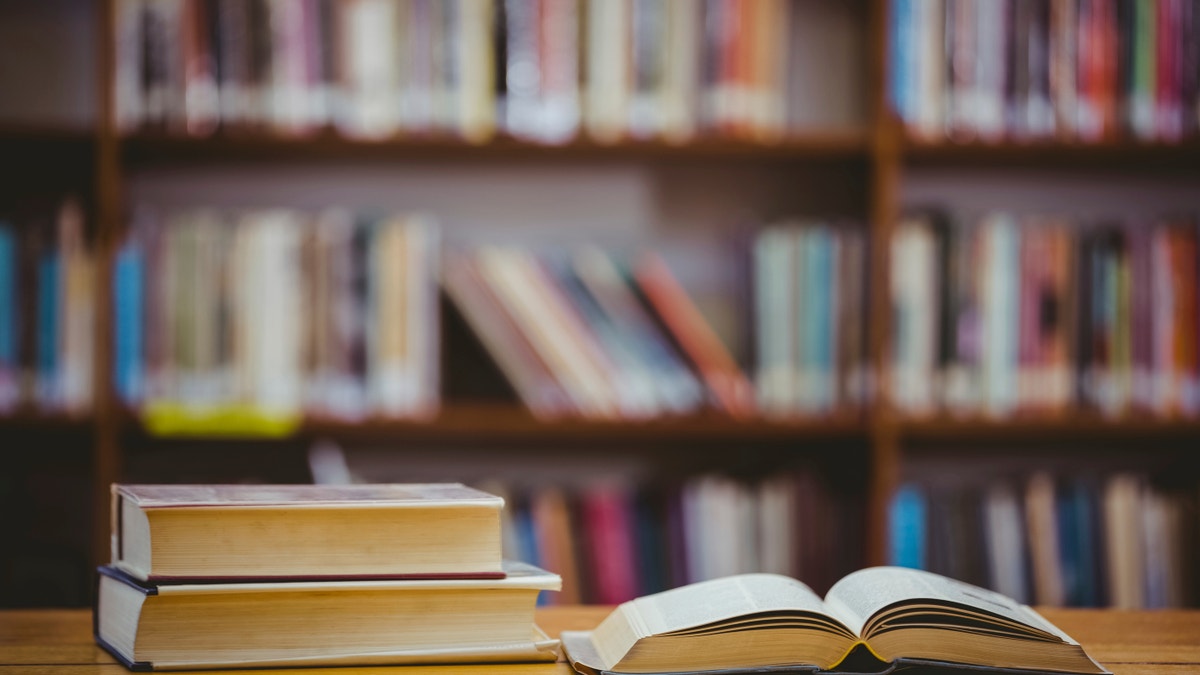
{"points": [[47, 312], [1025, 69], [539, 70], [1042, 315], [629, 539], [244, 321], [1101, 540]]}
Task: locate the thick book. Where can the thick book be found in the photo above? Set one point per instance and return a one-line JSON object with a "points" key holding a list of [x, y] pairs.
{"points": [[881, 619], [226, 532], [306, 623]]}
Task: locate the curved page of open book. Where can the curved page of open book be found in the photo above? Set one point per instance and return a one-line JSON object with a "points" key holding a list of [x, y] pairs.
{"points": [[740, 622], [904, 613], [763, 621]]}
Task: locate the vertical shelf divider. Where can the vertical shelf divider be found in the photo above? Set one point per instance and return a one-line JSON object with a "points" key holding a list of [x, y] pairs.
{"points": [[106, 453], [885, 168]]}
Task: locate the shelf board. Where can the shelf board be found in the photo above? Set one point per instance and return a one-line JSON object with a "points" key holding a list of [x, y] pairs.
{"points": [[33, 420], [1073, 426], [1107, 154], [497, 423], [483, 422], [151, 147], [31, 133]]}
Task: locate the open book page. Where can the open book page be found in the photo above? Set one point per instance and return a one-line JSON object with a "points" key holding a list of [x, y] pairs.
{"points": [[723, 599], [861, 594]]}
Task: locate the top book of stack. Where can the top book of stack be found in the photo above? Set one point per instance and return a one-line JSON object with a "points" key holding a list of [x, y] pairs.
{"points": [[242, 532]]}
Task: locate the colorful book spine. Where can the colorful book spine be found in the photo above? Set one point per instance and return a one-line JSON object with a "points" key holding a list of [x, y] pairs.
{"points": [[10, 326], [128, 322]]}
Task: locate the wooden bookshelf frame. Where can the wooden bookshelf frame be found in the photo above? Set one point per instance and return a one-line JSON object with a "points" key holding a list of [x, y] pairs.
{"points": [[881, 147]]}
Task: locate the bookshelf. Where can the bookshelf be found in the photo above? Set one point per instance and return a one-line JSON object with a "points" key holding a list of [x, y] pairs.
{"points": [[874, 159]]}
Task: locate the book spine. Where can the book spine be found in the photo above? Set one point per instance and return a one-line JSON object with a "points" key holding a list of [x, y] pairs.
{"points": [[10, 319]]}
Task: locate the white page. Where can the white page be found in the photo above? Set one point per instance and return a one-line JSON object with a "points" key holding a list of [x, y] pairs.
{"points": [[861, 594], [722, 599]]}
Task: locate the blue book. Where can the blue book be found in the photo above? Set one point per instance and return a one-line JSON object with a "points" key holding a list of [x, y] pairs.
{"points": [[9, 315], [128, 295], [526, 536], [1069, 549], [48, 302], [901, 79], [907, 528], [650, 545], [822, 303], [811, 289]]}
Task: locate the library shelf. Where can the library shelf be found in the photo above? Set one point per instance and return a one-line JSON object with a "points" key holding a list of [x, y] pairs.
{"points": [[1077, 426], [147, 147], [498, 423], [1116, 154]]}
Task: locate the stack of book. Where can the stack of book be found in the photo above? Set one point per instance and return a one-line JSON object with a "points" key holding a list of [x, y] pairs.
{"points": [[47, 313], [538, 69], [257, 316], [1039, 314], [1027, 69], [250, 576]]}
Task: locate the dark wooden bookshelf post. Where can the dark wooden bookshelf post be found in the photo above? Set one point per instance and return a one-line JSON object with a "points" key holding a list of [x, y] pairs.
{"points": [[880, 146]]}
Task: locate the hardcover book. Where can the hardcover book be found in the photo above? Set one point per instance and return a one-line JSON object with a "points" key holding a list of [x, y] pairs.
{"points": [[308, 623], [242, 532], [881, 619]]}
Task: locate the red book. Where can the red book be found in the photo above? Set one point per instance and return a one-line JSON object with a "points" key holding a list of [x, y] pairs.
{"points": [[609, 530], [728, 385]]}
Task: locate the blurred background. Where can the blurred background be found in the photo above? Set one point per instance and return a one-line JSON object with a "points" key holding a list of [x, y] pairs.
{"points": [[700, 286]]}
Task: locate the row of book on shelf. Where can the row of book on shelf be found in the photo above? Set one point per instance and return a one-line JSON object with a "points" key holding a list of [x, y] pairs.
{"points": [[1000, 316], [1117, 540], [275, 311], [1041, 314], [613, 541], [536, 69], [47, 311], [219, 576], [199, 296], [1028, 69]]}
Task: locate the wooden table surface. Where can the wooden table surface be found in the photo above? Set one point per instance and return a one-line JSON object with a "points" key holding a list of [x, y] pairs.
{"points": [[37, 642]]}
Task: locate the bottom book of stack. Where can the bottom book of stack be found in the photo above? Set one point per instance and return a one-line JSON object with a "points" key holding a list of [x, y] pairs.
{"points": [[305, 623]]}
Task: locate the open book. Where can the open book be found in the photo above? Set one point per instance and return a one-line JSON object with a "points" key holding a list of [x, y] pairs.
{"points": [[869, 619]]}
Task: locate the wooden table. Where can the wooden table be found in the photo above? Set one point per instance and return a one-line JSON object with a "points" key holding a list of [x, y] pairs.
{"points": [[36, 642]]}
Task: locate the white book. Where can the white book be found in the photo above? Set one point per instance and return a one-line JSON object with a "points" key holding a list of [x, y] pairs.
{"points": [[930, 71], [370, 69], [774, 326], [776, 520], [608, 65], [1006, 543], [1122, 537], [273, 298], [476, 96], [681, 70], [914, 296], [1001, 288], [991, 67]]}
